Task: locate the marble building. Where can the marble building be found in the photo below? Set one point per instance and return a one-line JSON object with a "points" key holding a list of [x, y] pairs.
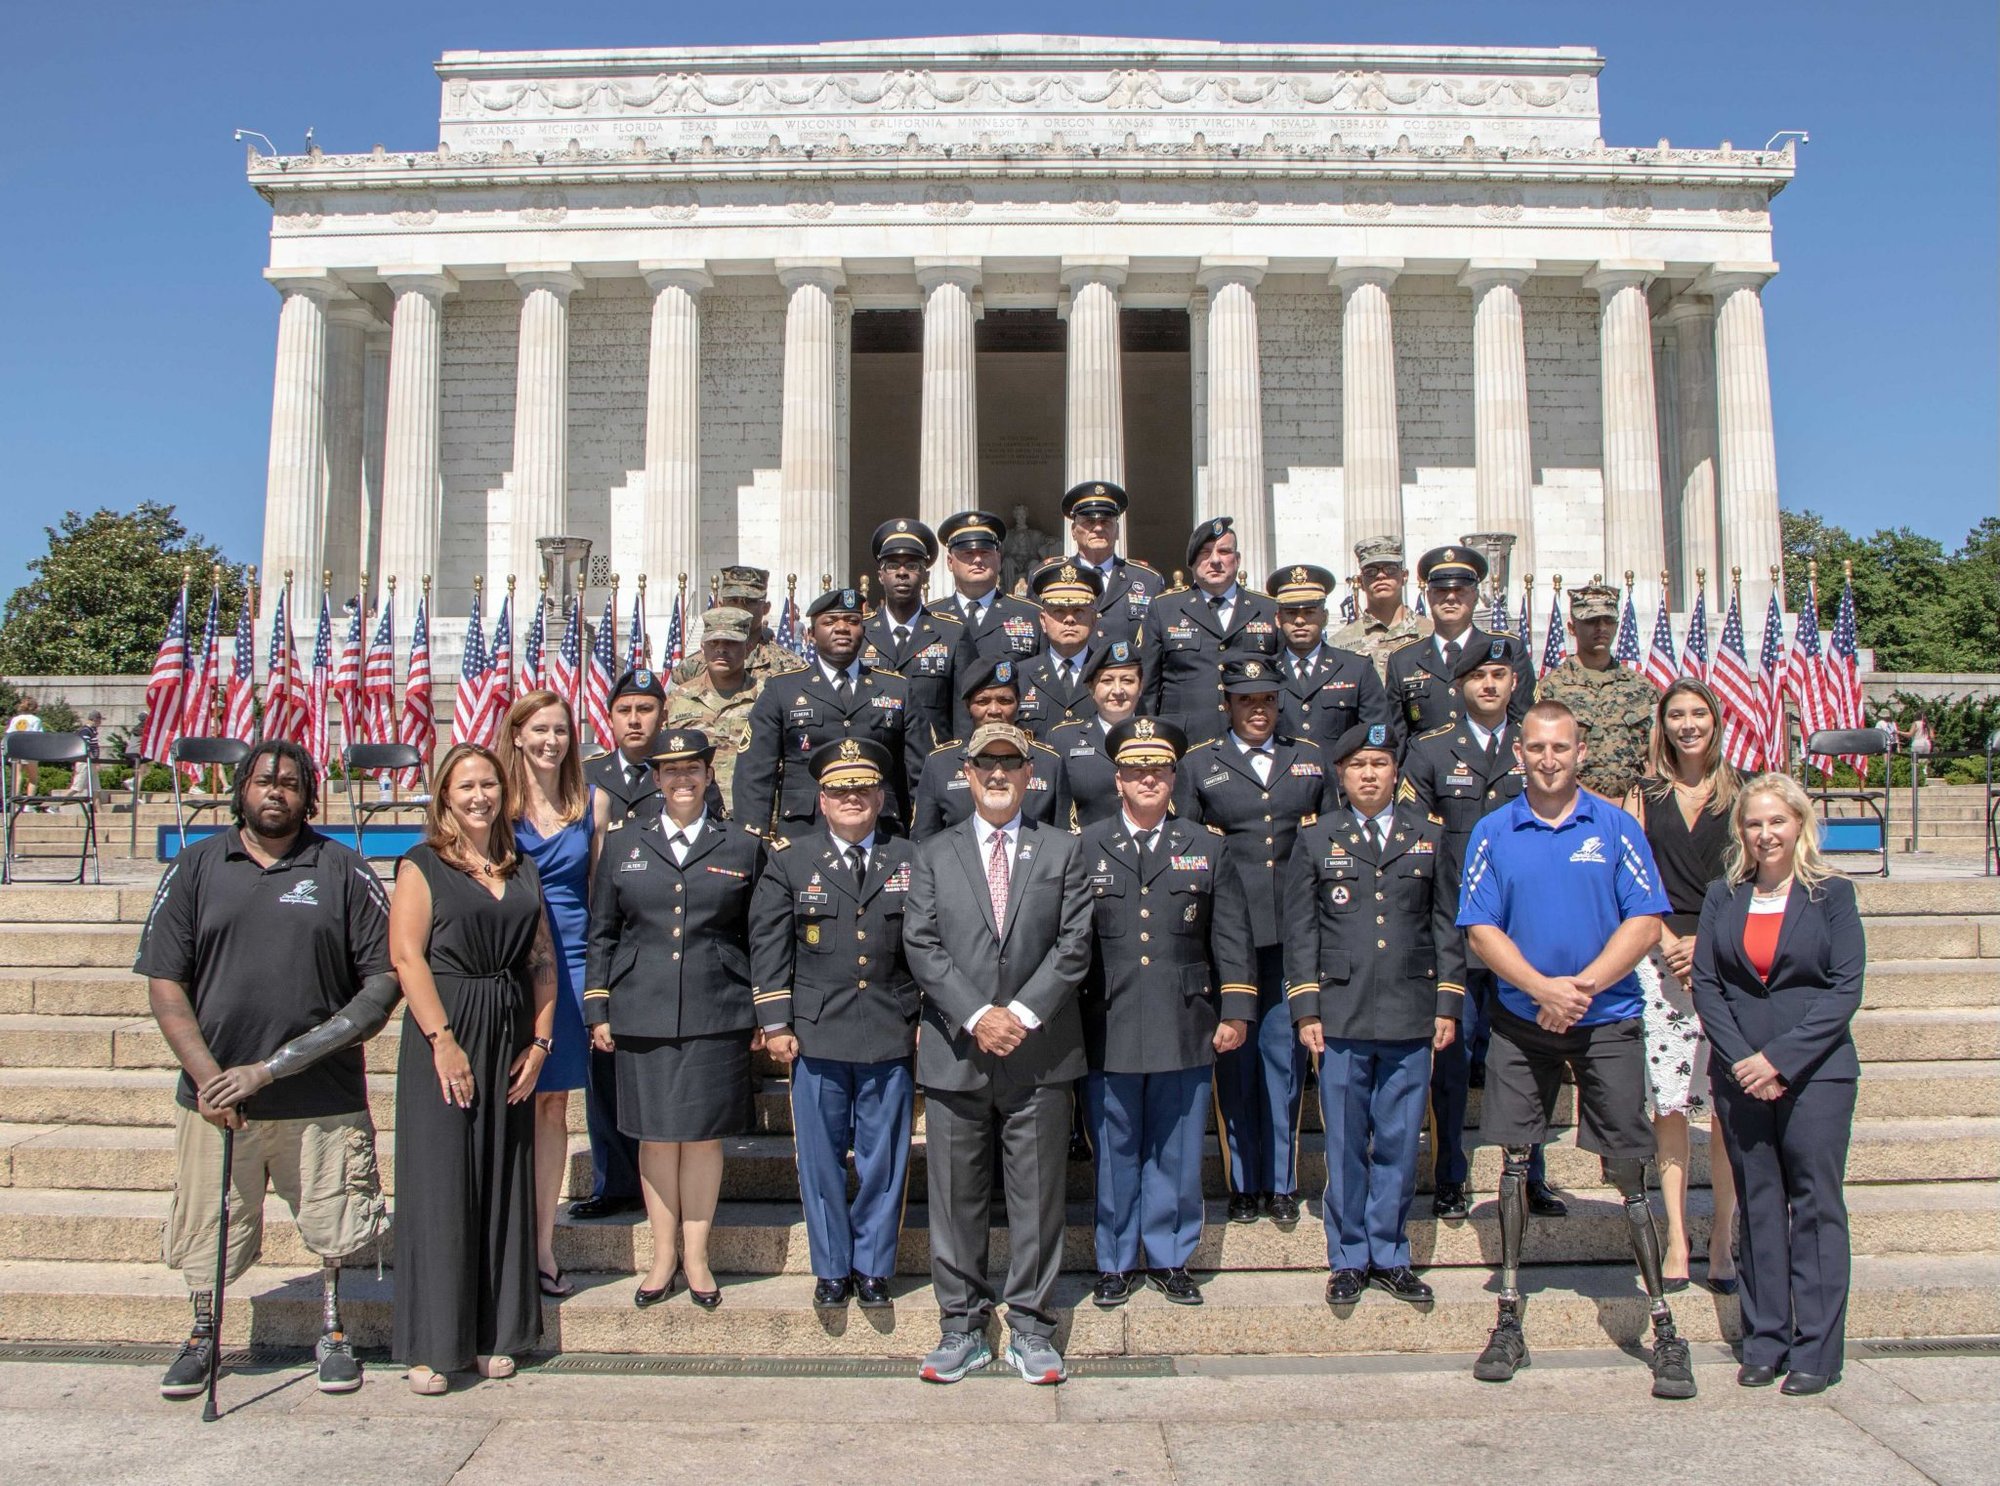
{"points": [[741, 304]]}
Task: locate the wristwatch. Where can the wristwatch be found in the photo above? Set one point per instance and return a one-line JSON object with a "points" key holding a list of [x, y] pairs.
{"points": [[432, 1037], [546, 1044]]}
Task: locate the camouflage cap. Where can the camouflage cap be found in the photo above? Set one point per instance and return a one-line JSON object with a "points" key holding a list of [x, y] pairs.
{"points": [[990, 735], [1594, 601], [744, 583], [1379, 549], [726, 622]]}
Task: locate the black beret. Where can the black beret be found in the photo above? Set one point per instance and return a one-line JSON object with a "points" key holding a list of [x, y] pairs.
{"points": [[1363, 735], [835, 601], [1207, 532], [1117, 653], [1000, 670], [640, 681], [1497, 650]]}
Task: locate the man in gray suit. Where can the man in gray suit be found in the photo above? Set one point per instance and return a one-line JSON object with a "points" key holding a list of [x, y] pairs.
{"points": [[997, 933]]}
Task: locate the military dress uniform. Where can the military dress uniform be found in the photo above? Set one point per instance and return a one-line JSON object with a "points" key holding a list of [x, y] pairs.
{"points": [[925, 653], [1328, 690], [1171, 957], [1258, 1086], [1089, 782], [996, 627], [1614, 708], [1421, 676], [1052, 686], [1127, 587], [1186, 636], [626, 779], [1373, 638], [826, 956], [725, 719], [1374, 955], [944, 794]]}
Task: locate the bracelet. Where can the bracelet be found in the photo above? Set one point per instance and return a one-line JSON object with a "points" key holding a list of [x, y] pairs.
{"points": [[432, 1037], [546, 1044]]}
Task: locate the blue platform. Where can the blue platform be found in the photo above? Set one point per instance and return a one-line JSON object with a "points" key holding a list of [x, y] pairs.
{"points": [[385, 842]]}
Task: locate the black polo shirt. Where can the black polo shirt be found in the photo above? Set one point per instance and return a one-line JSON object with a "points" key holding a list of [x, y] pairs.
{"points": [[267, 953]]}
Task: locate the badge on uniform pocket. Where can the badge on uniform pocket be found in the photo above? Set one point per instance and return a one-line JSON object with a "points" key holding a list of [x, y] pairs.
{"points": [[812, 933], [1340, 893], [1193, 913]]}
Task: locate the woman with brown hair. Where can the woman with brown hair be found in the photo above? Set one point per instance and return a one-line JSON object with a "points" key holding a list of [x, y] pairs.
{"points": [[559, 823], [1778, 969], [471, 946], [1684, 803]]}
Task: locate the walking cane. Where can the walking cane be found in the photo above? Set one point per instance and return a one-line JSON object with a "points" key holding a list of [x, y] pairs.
{"points": [[208, 1414]]}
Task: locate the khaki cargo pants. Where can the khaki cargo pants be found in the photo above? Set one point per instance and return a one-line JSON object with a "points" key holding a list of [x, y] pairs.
{"points": [[323, 1167]]}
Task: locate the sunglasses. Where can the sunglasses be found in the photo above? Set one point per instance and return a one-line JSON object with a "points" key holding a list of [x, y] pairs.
{"points": [[987, 762], [849, 791]]}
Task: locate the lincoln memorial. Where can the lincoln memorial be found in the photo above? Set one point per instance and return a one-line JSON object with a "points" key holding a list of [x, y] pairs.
{"points": [[742, 304]]}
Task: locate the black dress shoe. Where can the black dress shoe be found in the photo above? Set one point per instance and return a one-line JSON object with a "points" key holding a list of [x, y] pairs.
{"points": [[831, 1295], [1112, 1289], [1176, 1284], [604, 1207], [1402, 1282], [1543, 1202], [642, 1297], [1805, 1384], [708, 1300], [1243, 1207], [1283, 1207], [1344, 1286], [1755, 1375], [1674, 1284], [1723, 1284], [873, 1292], [1450, 1201]]}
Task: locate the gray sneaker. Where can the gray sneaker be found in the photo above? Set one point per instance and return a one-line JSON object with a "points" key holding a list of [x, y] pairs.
{"points": [[1035, 1358], [957, 1353], [338, 1371], [188, 1376]]}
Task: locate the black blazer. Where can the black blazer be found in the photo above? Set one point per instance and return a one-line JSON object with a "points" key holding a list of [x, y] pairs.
{"points": [[1800, 1018]]}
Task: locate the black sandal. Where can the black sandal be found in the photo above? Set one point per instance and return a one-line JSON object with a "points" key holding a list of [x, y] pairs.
{"points": [[555, 1286]]}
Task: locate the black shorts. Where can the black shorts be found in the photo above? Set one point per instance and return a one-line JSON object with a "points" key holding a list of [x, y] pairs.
{"points": [[1524, 1068]]}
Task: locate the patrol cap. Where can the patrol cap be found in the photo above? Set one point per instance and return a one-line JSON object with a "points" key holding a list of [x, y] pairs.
{"points": [[1208, 531], [1594, 601], [1498, 650], [679, 744], [1247, 675], [738, 582], [835, 601], [1452, 567], [1300, 586], [990, 735], [848, 763], [1379, 550], [1145, 740], [1062, 582], [1117, 653], [726, 622], [968, 527], [1095, 498], [904, 538], [1001, 670], [1362, 735], [639, 681]]}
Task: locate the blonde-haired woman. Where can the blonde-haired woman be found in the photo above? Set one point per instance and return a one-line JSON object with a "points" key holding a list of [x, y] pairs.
{"points": [[559, 824], [1684, 804], [1778, 969], [470, 943]]}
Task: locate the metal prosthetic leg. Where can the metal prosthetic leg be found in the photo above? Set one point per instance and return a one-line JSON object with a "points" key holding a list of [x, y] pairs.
{"points": [[204, 1313], [1514, 1223], [329, 1284], [1629, 1177]]}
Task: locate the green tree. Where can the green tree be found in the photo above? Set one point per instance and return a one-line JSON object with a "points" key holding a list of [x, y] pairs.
{"points": [[97, 602], [1917, 606]]}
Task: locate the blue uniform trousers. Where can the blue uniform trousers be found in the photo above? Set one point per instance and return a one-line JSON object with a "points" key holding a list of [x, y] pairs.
{"points": [[1451, 1075], [1257, 1091], [866, 1108], [614, 1155], [1146, 1136], [1372, 1095]]}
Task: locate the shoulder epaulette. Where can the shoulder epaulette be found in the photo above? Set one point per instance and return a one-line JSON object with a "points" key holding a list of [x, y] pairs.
{"points": [[591, 758], [1306, 820], [1037, 743], [1441, 731], [948, 743], [1217, 831], [1133, 562], [797, 665], [1211, 743], [1177, 588], [947, 616], [1301, 743]]}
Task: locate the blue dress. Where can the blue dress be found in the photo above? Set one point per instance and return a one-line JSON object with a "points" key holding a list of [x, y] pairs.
{"points": [[564, 863]]}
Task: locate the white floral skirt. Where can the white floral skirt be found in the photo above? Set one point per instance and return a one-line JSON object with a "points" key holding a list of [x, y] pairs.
{"points": [[1676, 1051]]}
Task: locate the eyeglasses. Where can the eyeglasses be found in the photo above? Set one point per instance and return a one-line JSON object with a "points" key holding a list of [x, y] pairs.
{"points": [[987, 762]]}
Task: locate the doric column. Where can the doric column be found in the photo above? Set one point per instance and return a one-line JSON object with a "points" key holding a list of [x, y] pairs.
{"points": [[670, 524], [1691, 323], [348, 324], [1095, 425], [540, 485], [1746, 444], [1503, 479], [1236, 484], [948, 457], [1634, 526], [295, 484], [412, 499], [374, 426], [1667, 420], [812, 527], [1372, 479], [1198, 398]]}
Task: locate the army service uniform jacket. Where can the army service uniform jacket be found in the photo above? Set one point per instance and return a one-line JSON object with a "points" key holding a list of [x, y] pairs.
{"points": [[1447, 774], [1130, 587], [1090, 779], [1170, 948], [1011, 629], [798, 711], [1049, 702], [1181, 650], [669, 947], [826, 952], [1421, 692], [944, 796], [1218, 786], [1374, 948], [1339, 690], [927, 659]]}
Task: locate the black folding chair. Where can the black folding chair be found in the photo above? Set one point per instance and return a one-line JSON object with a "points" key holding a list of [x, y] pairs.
{"points": [[219, 753], [1865, 831], [374, 758], [1992, 808], [57, 749]]}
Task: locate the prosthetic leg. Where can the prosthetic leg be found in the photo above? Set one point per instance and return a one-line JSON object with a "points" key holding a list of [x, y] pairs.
{"points": [[1506, 1346], [187, 1377], [339, 1372], [1673, 1373]]}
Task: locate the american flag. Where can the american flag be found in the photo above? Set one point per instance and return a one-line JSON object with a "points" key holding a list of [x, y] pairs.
{"points": [[1694, 654], [347, 675], [500, 664], [1347, 608], [321, 682], [1626, 651], [1736, 688], [1843, 671], [675, 650], [1527, 618], [1806, 678], [239, 712], [168, 683], [1771, 683], [1659, 667], [284, 688], [1422, 612], [468, 700], [639, 645], [378, 680], [419, 724], [1556, 649], [565, 670], [791, 632], [205, 673], [601, 674], [1497, 622], [534, 673]]}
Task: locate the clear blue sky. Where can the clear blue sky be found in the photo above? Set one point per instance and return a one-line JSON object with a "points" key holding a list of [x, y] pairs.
{"points": [[137, 339]]}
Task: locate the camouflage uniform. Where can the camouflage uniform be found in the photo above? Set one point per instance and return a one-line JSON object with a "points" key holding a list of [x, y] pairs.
{"points": [[726, 720], [767, 658], [1615, 707], [1369, 636]]}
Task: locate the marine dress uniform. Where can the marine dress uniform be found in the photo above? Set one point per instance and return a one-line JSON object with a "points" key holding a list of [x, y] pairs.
{"points": [[1327, 690], [1421, 675], [826, 955], [1259, 804], [1186, 633], [1170, 958], [798, 711], [1053, 691], [944, 795], [1127, 586], [669, 966], [922, 650], [1374, 956]]}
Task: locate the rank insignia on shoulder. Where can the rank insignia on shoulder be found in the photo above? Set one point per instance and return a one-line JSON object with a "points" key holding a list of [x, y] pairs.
{"points": [[779, 843], [1436, 820], [1217, 830], [616, 825], [1306, 820]]}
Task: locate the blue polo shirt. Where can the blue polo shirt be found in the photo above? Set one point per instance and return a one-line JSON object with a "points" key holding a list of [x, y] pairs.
{"points": [[1560, 892]]}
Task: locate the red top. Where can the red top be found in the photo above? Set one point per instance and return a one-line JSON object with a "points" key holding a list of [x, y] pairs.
{"points": [[1760, 941]]}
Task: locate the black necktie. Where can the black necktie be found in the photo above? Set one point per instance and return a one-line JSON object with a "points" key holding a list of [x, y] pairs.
{"points": [[1149, 841], [902, 637], [1492, 748], [857, 862], [1452, 650], [842, 685], [1378, 837]]}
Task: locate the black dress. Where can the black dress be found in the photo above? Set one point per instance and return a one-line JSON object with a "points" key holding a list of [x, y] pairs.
{"points": [[1689, 859], [465, 1178]]}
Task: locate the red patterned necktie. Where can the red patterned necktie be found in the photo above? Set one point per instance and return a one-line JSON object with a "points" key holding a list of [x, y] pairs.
{"points": [[997, 871]]}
